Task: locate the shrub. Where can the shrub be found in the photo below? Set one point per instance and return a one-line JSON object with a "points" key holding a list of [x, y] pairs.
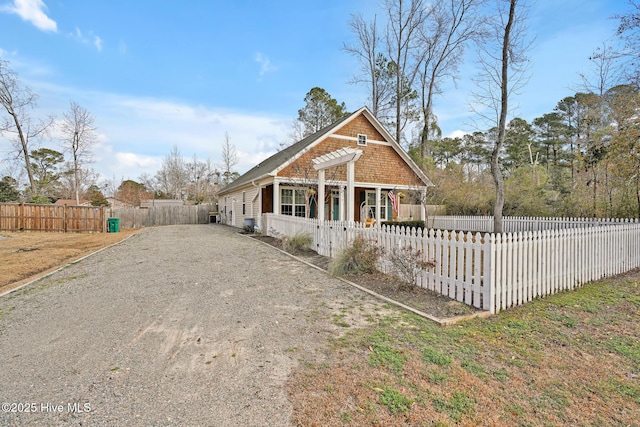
{"points": [[407, 263], [361, 257], [297, 243]]}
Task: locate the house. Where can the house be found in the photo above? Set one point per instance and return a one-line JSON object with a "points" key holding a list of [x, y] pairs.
{"points": [[72, 202], [353, 166], [119, 204]]}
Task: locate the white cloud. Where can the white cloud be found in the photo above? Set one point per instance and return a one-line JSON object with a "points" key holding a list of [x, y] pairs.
{"points": [[457, 134], [265, 64], [32, 11], [135, 134], [97, 42], [128, 161], [92, 38], [142, 131]]}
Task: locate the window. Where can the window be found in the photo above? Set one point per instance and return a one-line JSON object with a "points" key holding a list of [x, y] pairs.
{"points": [[362, 139], [244, 209], [292, 202], [371, 204]]}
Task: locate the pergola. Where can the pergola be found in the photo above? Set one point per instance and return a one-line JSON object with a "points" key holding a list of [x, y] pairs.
{"points": [[344, 155]]}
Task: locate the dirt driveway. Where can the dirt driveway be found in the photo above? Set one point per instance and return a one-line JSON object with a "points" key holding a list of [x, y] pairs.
{"points": [[178, 325]]}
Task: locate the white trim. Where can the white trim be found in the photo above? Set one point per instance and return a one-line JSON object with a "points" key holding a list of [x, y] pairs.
{"points": [[341, 203], [335, 158], [351, 203], [382, 204], [294, 204], [321, 195], [275, 197], [337, 183], [369, 140], [373, 185]]}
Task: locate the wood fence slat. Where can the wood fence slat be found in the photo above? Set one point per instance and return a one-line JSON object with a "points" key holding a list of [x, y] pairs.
{"points": [[51, 218]]}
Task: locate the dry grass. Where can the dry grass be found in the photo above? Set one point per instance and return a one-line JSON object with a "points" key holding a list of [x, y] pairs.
{"points": [[569, 359], [24, 255]]}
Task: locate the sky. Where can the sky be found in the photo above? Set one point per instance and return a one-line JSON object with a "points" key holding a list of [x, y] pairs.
{"points": [[184, 73]]}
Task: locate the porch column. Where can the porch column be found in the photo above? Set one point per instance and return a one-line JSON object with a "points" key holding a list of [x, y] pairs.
{"points": [[351, 191], [423, 211], [320, 201], [276, 197], [378, 206], [341, 203]]}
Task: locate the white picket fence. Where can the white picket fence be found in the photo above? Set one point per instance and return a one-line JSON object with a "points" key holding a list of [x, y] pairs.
{"points": [[486, 270], [484, 224]]}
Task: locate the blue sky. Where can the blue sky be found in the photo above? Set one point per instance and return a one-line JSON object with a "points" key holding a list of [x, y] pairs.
{"points": [[161, 73]]}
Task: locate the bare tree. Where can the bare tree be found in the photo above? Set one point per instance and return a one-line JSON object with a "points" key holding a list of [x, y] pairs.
{"points": [[605, 72], [296, 134], [502, 63], [16, 99], [75, 184], [451, 25], [200, 175], [405, 19], [229, 160], [173, 176], [629, 32], [212, 182], [374, 66], [78, 138]]}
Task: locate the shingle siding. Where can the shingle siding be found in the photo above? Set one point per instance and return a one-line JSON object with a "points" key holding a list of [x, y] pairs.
{"points": [[378, 164]]}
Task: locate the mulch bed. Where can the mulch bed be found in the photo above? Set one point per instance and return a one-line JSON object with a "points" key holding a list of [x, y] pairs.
{"points": [[427, 301]]}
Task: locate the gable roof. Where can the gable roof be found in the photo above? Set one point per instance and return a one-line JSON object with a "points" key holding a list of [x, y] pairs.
{"points": [[280, 159]]}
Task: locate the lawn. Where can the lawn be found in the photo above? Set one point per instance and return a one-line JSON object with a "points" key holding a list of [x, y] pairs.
{"points": [[568, 359], [24, 255]]}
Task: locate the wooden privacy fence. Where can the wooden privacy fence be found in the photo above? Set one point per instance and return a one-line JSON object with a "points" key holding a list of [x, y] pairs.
{"points": [[486, 270], [29, 217], [162, 215]]}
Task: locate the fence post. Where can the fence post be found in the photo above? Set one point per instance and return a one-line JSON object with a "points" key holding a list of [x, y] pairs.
{"points": [[489, 276], [21, 216]]}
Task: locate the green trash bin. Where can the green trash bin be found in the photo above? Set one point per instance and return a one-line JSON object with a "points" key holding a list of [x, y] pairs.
{"points": [[113, 225]]}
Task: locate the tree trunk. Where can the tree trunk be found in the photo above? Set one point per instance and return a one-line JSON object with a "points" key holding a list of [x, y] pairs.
{"points": [[25, 153], [502, 123], [638, 194], [595, 191], [424, 138]]}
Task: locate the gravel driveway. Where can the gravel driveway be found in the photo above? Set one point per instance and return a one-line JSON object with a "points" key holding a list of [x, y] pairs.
{"points": [[178, 325]]}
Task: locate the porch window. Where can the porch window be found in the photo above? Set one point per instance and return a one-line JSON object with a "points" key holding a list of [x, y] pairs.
{"points": [[371, 205], [292, 202]]}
